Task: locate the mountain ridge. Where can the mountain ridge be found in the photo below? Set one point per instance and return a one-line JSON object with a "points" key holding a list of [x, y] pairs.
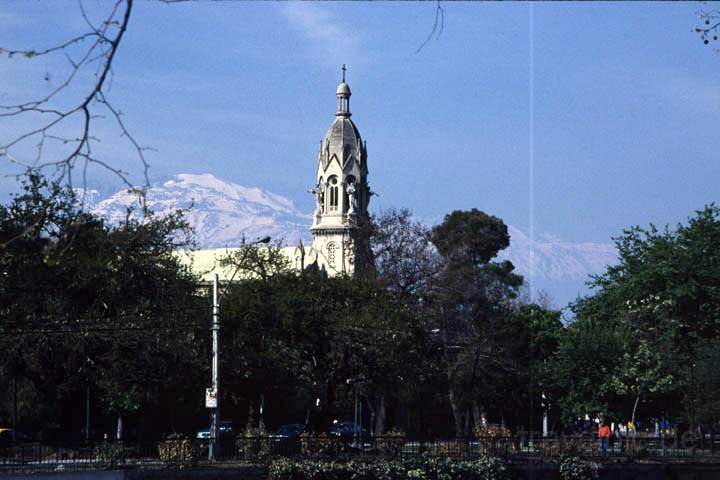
{"points": [[223, 212]]}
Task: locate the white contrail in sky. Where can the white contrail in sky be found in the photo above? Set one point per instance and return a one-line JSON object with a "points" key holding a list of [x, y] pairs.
{"points": [[531, 126]]}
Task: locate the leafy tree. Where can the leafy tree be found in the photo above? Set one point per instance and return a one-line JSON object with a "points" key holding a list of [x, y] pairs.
{"points": [[85, 304], [405, 258], [471, 238], [653, 312], [588, 354], [470, 299], [313, 339], [533, 334], [708, 375]]}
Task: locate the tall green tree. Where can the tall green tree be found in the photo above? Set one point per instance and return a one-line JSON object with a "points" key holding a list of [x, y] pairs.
{"points": [[315, 340], [90, 305], [470, 298], [533, 335], [661, 303]]}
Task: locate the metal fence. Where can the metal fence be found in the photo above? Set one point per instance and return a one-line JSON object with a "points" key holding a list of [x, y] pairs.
{"points": [[43, 457], [178, 451]]}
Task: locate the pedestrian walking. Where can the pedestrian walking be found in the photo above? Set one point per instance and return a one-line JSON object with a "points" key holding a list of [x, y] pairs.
{"points": [[604, 434]]}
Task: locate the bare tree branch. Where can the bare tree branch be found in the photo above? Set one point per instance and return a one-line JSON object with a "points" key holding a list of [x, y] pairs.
{"points": [[104, 40], [709, 26], [437, 28]]}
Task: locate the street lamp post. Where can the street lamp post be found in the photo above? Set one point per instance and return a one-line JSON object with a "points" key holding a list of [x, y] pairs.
{"points": [[215, 372], [215, 389], [545, 423], [357, 428]]}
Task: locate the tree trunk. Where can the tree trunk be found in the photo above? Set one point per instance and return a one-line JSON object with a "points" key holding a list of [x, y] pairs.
{"points": [[15, 409], [477, 416], [466, 427], [261, 421], [637, 400], [326, 408], [457, 413], [251, 418], [371, 407], [531, 397], [692, 415], [381, 415], [119, 432]]}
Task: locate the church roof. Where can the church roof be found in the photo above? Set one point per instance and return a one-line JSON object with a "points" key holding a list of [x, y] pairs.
{"points": [[206, 263], [342, 132], [342, 140]]}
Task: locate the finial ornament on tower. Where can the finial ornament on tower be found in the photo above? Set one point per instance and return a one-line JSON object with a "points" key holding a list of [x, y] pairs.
{"points": [[343, 70]]}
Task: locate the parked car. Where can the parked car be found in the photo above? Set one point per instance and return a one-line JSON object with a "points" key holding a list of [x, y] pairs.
{"points": [[290, 431], [347, 429], [225, 429], [351, 435], [286, 440]]}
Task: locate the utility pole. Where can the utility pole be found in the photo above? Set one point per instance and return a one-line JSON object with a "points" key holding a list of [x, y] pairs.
{"points": [[355, 420], [545, 406], [215, 374], [15, 408], [214, 394]]}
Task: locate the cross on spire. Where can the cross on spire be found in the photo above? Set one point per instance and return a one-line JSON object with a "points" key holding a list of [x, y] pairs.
{"points": [[343, 70]]}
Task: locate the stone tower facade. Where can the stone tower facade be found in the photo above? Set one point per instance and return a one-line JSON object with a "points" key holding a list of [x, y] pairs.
{"points": [[341, 223]]}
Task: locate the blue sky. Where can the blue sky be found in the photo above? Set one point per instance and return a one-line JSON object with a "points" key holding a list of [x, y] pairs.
{"points": [[573, 119]]}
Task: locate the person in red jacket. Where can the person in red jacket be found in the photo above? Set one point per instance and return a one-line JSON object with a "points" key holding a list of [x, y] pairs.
{"points": [[604, 434]]}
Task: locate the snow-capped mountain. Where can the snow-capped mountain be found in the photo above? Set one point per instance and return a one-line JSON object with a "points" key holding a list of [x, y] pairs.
{"points": [[556, 259], [558, 267], [221, 213]]}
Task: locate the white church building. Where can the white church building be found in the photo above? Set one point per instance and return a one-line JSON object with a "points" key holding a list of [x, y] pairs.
{"points": [[340, 227]]}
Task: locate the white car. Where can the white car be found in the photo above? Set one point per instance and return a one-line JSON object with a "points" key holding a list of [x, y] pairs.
{"points": [[224, 428]]}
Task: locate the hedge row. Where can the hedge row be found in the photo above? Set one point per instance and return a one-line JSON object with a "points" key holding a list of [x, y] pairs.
{"points": [[486, 468]]}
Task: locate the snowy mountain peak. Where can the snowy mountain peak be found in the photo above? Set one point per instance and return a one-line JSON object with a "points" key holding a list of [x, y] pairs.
{"points": [[207, 182], [552, 258], [221, 213]]}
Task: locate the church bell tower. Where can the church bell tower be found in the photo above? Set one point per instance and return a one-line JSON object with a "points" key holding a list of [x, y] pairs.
{"points": [[340, 226]]}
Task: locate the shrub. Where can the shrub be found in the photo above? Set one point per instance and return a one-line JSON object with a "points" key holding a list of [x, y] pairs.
{"points": [[448, 448], [574, 468], [178, 449], [636, 449], [485, 468], [491, 430], [424, 469], [108, 452], [320, 444], [495, 439], [253, 444], [391, 443]]}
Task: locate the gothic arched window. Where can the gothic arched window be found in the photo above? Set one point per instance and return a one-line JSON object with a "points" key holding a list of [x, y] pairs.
{"points": [[333, 194]]}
